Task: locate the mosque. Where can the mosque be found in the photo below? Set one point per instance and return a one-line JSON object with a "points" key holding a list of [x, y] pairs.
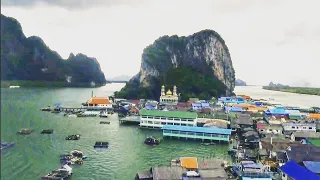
{"points": [[169, 98]]}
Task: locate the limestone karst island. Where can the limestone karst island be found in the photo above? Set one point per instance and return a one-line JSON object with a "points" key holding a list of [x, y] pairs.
{"points": [[148, 90]]}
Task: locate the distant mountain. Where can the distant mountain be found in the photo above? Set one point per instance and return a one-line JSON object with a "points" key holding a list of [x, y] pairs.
{"points": [[120, 78], [240, 82], [277, 85]]}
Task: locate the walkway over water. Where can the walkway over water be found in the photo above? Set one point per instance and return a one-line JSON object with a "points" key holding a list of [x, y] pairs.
{"points": [[130, 119]]}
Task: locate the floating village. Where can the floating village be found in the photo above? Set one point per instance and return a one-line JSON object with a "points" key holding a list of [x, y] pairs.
{"points": [[267, 140]]}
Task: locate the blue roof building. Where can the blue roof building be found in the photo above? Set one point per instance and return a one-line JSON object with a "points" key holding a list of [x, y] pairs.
{"points": [[296, 172], [313, 166]]}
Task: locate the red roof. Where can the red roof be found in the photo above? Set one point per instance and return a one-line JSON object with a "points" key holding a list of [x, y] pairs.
{"points": [[260, 126]]}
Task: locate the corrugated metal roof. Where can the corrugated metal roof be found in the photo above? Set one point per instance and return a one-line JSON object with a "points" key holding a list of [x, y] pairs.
{"points": [[297, 172], [198, 129], [313, 166], [177, 114]]}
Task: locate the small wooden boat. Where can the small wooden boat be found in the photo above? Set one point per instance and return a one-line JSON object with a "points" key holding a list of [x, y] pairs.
{"points": [[73, 137], [46, 109], [104, 122], [47, 131], [100, 144], [25, 131]]}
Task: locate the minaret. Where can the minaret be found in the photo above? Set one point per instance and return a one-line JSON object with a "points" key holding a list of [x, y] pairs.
{"points": [[163, 91], [175, 91]]}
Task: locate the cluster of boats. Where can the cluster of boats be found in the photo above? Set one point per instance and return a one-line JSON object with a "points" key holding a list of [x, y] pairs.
{"points": [[60, 174], [65, 171]]}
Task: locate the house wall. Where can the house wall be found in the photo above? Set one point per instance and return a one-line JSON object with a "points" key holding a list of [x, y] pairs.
{"points": [[196, 135], [159, 121], [270, 131], [300, 127]]}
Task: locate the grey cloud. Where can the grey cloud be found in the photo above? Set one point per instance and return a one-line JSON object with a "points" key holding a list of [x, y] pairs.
{"points": [[69, 4]]}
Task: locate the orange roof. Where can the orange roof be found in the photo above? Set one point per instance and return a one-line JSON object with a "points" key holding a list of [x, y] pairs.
{"points": [[99, 100], [189, 162], [314, 116]]}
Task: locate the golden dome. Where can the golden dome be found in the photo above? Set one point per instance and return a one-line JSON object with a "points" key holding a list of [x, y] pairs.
{"points": [[169, 92]]}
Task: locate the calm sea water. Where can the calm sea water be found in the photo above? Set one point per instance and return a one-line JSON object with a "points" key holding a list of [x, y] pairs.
{"points": [[36, 154], [284, 98]]}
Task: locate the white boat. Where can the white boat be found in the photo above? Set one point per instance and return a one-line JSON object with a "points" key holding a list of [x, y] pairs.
{"points": [[103, 114], [14, 87], [72, 115]]}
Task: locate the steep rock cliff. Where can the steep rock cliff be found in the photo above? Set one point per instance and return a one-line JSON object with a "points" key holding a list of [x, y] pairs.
{"points": [[30, 58], [204, 53]]}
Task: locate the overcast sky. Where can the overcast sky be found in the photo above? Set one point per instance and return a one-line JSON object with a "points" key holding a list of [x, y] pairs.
{"points": [[268, 40]]}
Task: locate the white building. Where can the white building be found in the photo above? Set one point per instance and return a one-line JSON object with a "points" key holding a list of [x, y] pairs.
{"points": [[157, 118], [169, 98], [100, 102]]}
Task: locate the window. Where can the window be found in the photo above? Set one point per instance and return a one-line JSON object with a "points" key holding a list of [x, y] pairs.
{"points": [[199, 134], [150, 122], [156, 122], [310, 127], [304, 128], [293, 127], [170, 123], [163, 123], [170, 118], [183, 125]]}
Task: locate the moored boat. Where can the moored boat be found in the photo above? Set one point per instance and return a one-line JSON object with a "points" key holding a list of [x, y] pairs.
{"points": [[73, 137], [46, 109], [103, 114], [11, 87], [25, 131], [47, 131], [100, 144], [5, 145], [104, 122]]}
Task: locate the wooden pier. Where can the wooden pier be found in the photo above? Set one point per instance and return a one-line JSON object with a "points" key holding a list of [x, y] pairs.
{"points": [[74, 109], [130, 119]]}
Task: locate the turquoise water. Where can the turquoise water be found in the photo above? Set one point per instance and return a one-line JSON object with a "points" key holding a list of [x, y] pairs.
{"points": [[36, 154]]}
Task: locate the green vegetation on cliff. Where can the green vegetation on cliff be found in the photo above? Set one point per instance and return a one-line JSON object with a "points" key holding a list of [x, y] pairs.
{"points": [[199, 65], [190, 83], [30, 59], [298, 90]]}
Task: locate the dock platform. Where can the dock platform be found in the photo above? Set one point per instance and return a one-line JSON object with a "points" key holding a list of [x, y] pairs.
{"points": [[130, 119]]}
